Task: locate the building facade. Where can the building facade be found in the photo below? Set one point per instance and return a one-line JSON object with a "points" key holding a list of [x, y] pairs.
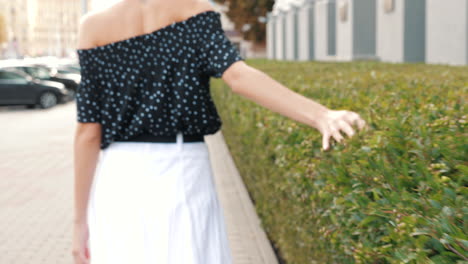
{"points": [[16, 26], [306, 31], [355, 29], [50, 27], [447, 32], [430, 31], [401, 30], [54, 32], [41, 27]]}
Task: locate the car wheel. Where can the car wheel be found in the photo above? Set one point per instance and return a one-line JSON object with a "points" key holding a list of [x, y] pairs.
{"points": [[47, 100]]}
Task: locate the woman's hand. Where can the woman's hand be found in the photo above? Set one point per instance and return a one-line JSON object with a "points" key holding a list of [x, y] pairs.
{"points": [[334, 121], [259, 87], [80, 249]]}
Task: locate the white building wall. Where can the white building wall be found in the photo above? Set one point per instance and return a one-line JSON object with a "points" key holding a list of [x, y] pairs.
{"points": [[280, 36], [321, 34], [447, 32], [434, 31], [270, 37], [344, 30], [390, 32], [304, 29], [290, 34], [321, 41]]}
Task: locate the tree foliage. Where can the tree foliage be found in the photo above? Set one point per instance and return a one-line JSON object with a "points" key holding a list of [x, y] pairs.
{"points": [[243, 12]]}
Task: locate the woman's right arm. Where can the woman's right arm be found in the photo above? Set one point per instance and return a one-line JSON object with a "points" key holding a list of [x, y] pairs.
{"points": [[259, 87]]}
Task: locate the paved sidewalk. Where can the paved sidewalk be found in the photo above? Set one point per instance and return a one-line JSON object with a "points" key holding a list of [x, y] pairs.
{"points": [[249, 243], [36, 190]]}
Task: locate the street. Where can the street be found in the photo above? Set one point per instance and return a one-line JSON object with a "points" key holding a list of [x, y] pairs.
{"points": [[36, 190], [36, 186]]}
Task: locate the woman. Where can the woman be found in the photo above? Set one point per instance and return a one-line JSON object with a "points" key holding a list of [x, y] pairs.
{"points": [[143, 108]]}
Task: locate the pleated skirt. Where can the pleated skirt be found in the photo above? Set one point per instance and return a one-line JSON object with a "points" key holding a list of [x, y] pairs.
{"points": [[156, 203]]}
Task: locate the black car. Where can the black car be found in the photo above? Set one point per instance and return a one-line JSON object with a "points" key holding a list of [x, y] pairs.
{"points": [[69, 68], [42, 72], [18, 88]]}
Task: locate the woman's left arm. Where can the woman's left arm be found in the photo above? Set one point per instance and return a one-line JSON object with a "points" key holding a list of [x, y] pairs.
{"points": [[87, 143], [87, 136], [86, 154]]}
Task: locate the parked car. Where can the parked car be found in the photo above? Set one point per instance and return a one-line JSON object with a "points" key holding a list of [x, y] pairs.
{"points": [[19, 88], [42, 72], [69, 68]]}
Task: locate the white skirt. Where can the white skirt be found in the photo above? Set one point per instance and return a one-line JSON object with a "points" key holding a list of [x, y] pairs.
{"points": [[156, 203]]}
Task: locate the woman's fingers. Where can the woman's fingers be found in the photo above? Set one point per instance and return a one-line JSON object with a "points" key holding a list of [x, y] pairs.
{"points": [[361, 123], [344, 126], [87, 255], [355, 119], [336, 135], [327, 135], [338, 121], [326, 141], [80, 257], [80, 250]]}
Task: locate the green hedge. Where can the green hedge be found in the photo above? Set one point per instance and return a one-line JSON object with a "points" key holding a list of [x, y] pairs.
{"points": [[394, 194]]}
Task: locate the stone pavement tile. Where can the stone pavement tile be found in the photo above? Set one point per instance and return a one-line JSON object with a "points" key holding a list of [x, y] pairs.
{"points": [[36, 185]]}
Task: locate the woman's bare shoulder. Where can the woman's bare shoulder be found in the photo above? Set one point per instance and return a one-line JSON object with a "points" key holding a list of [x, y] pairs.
{"points": [[95, 22], [89, 25], [201, 5]]}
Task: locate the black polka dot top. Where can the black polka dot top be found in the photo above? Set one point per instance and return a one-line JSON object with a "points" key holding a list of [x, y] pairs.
{"points": [[156, 83]]}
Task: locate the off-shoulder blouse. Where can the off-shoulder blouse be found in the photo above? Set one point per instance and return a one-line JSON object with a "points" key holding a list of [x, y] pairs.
{"points": [[156, 83]]}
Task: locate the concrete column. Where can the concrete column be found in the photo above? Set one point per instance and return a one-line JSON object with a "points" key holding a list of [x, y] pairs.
{"points": [[306, 28], [390, 27], [280, 38], [292, 32], [447, 32], [270, 36]]}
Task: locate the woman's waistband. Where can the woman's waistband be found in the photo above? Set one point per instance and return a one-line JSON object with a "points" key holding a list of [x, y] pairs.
{"points": [[145, 137]]}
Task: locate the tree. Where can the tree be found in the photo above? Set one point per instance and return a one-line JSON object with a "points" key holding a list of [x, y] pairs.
{"points": [[3, 31], [242, 12]]}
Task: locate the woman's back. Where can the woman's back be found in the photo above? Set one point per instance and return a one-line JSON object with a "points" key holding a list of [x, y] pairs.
{"points": [[129, 18], [152, 79]]}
